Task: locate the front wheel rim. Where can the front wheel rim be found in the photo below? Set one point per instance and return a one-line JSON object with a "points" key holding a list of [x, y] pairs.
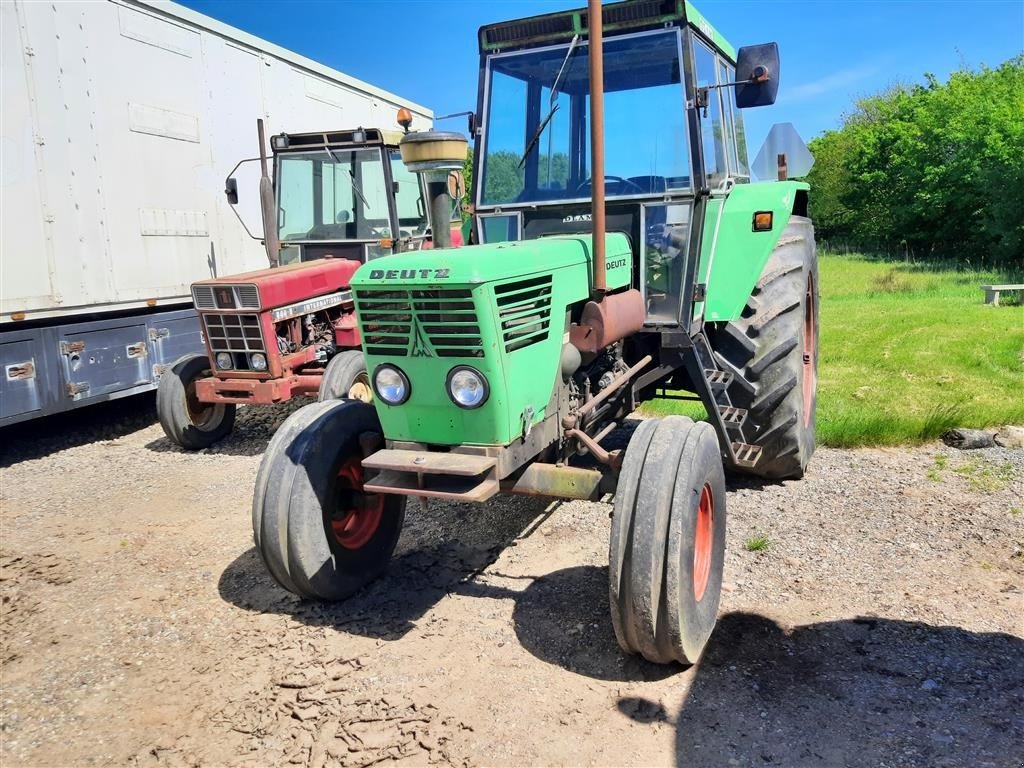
{"points": [[358, 514], [703, 538], [200, 414], [360, 389]]}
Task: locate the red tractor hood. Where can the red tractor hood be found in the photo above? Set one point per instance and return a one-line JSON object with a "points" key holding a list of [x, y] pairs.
{"points": [[285, 285]]}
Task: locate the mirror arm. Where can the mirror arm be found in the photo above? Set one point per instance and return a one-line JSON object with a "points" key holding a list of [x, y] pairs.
{"points": [[240, 221], [704, 91]]}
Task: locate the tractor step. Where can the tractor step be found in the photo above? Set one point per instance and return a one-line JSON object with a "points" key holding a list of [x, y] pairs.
{"points": [[746, 455], [732, 417], [719, 381], [456, 476]]}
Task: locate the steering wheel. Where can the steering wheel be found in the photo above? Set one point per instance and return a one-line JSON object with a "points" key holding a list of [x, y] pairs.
{"points": [[618, 180]]}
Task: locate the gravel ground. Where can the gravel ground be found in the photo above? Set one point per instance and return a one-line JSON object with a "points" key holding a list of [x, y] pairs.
{"points": [[881, 623]]}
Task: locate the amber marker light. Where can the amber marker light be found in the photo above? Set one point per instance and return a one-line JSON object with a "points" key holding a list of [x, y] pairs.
{"points": [[385, 242], [17, 316], [404, 118], [762, 221]]}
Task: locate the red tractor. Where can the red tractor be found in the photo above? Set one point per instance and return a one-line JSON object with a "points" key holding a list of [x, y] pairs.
{"points": [[337, 200]]}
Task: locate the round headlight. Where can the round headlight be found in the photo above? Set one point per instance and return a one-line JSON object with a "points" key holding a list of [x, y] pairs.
{"points": [[223, 360], [391, 385], [258, 361], [467, 387]]}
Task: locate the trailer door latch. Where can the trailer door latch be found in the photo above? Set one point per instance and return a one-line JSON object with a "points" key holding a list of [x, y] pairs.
{"points": [[71, 347], [136, 350], [155, 334], [21, 371], [78, 388], [700, 291]]}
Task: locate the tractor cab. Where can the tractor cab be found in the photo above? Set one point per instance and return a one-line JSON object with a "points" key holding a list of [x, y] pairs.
{"points": [[345, 194], [662, 158], [341, 194]]}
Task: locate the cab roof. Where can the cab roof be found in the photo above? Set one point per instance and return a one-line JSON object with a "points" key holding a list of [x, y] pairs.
{"points": [[618, 18], [298, 142]]}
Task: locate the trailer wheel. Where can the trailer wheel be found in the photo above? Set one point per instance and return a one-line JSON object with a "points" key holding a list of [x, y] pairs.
{"points": [[772, 352], [346, 376], [668, 541], [186, 421], [319, 534]]}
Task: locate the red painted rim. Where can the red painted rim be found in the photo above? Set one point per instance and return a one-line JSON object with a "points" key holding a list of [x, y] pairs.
{"points": [[810, 375], [359, 514], [703, 537]]}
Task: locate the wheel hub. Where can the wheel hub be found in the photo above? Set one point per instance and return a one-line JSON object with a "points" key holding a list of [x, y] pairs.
{"points": [[199, 413], [358, 514]]}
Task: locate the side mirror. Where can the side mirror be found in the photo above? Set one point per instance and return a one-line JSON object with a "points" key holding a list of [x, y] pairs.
{"points": [[231, 190], [757, 75]]}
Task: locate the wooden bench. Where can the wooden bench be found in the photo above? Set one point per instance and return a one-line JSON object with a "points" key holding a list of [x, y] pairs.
{"points": [[992, 292]]}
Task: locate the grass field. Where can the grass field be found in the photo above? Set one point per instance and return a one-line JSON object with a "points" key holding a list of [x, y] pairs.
{"points": [[907, 352]]}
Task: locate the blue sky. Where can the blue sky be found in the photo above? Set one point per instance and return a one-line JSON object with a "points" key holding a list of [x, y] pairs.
{"points": [[833, 51]]}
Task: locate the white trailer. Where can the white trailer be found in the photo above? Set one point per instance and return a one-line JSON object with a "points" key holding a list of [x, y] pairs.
{"points": [[120, 121]]}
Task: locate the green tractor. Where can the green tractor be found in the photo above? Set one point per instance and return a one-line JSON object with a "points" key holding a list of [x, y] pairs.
{"points": [[639, 264]]}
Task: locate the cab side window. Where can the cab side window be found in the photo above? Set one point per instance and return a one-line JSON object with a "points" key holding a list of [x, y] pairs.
{"points": [[722, 136]]}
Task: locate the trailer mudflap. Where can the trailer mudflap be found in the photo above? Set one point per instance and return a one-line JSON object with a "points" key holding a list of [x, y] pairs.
{"points": [[457, 476]]}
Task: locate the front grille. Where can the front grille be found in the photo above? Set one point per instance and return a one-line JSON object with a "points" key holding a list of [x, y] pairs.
{"points": [[238, 335], [400, 323], [248, 296], [226, 296], [524, 309], [202, 296]]}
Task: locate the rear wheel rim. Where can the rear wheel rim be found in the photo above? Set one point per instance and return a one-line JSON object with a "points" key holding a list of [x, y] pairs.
{"points": [[358, 514], [703, 538], [810, 373]]}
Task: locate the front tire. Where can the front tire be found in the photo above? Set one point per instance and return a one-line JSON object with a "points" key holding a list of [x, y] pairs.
{"points": [[772, 352], [185, 420], [319, 534], [346, 376], [667, 547]]}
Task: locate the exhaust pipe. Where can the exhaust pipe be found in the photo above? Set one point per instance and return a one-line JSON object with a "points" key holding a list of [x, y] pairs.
{"points": [[268, 206], [594, 19]]}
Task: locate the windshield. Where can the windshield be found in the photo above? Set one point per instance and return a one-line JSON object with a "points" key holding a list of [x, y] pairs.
{"points": [[646, 148], [340, 194]]}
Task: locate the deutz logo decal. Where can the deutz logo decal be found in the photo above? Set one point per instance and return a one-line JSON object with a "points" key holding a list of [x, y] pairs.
{"points": [[409, 274], [419, 343], [576, 217]]}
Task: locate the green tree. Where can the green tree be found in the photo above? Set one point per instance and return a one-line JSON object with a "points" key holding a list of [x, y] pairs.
{"points": [[937, 169]]}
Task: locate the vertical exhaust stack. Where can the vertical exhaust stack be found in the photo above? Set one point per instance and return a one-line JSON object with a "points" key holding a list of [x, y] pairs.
{"points": [[594, 20], [435, 154], [268, 206]]}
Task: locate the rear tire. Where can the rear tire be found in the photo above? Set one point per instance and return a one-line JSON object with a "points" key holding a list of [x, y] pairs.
{"points": [[772, 352], [667, 546], [319, 535], [186, 421], [346, 376]]}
